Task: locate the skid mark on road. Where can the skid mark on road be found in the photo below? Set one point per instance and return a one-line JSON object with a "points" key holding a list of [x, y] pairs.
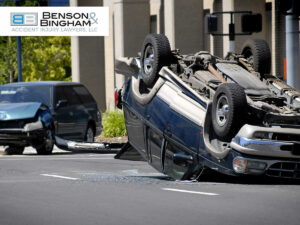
{"points": [[58, 176], [190, 192]]}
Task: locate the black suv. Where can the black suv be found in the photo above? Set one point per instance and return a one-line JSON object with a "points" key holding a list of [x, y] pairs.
{"points": [[33, 113]]}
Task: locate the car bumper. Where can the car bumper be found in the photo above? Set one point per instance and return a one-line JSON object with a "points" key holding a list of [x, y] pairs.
{"points": [[279, 168], [271, 151], [22, 136], [270, 142]]}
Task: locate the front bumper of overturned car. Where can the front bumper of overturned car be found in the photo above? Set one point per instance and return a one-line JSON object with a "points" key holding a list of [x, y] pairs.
{"points": [[22, 136], [260, 153]]}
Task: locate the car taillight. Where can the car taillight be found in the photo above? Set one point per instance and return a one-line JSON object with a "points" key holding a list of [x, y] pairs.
{"points": [[116, 97]]}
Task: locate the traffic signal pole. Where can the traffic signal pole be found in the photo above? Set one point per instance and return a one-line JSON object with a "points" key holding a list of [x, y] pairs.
{"points": [[231, 34]]}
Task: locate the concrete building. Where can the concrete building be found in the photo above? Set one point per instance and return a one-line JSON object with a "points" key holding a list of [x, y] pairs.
{"points": [[182, 21]]}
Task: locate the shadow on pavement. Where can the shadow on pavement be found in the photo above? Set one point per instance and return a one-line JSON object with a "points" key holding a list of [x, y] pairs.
{"points": [[215, 177]]}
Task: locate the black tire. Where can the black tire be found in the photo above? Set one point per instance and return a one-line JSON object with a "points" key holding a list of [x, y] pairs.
{"points": [[89, 134], [258, 54], [228, 110], [14, 150], [47, 147], [156, 53]]}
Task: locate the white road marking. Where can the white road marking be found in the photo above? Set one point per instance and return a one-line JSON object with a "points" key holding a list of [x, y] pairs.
{"points": [[57, 176], [131, 172], [191, 192]]}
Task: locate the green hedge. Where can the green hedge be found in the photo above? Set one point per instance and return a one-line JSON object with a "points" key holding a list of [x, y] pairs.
{"points": [[113, 124]]}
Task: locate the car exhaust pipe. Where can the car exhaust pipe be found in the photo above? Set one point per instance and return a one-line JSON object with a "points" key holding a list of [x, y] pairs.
{"points": [[72, 145]]}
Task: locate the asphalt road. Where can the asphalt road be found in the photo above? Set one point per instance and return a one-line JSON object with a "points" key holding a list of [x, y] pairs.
{"points": [[89, 188]]}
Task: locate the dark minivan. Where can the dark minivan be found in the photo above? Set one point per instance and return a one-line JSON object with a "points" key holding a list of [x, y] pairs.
{"points": [[33, 113]]}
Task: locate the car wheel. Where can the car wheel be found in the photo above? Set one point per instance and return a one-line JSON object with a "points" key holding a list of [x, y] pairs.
{"points": [[258, 54], [89, 135], [47, 147], [14, 150], [156, 53], [228, 108]]}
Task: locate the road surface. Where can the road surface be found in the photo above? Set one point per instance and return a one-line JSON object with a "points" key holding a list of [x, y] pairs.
{"points": [[91, 188]]}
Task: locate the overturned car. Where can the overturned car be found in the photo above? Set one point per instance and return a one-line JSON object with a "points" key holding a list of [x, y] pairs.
{"points": [[185, 113]]}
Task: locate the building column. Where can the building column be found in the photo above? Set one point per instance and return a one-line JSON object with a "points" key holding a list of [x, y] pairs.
{"points": [[131, 25], [228, 5], [278, 41], [88, 65], [157, 16], [184, 24], [256, 6], [110, 59]]}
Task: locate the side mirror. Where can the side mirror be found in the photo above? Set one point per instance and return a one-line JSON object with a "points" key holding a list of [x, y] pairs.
{"points": [[251, 23], [211, 23], [61, 103], [181, 159]]}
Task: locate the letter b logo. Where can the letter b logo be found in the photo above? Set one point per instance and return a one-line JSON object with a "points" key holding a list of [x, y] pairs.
{"points": [[23, 19], [18, 19]]}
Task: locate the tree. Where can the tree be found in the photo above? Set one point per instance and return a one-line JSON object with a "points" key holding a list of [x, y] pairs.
{"points": [[8, 55], [46, 58], [43, 58]]}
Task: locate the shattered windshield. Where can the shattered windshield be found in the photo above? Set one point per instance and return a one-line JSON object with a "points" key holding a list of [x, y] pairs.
{"points": [[19, 94]]}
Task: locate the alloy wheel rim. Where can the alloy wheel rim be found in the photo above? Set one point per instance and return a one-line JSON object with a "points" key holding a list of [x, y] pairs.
{"points": [[149, 60], [222, 110]]}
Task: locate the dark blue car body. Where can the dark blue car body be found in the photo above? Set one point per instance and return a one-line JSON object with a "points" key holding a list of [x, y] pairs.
{"points": [[170, 125], [189, 113], [161, 132]]}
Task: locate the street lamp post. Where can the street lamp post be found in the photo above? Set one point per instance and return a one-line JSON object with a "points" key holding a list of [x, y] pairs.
{"points": [[19, 56]]}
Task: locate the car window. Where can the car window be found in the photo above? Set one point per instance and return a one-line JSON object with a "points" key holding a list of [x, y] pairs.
{"points": [[67, 93], [19, 94], [84, 94], [59, 94]]}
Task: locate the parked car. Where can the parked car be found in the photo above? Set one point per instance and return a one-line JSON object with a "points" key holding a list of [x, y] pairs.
{"points": [[33, 113], [186, 113]]}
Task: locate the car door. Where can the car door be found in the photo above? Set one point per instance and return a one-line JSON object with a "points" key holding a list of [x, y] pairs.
{"points": [[182, 132], [135, 127], [157, 122], [181, 147], [81, 114], [66, 115], [87, 110]]}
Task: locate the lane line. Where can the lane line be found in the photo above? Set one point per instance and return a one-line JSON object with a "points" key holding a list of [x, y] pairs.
{"points": [[58, 176], [191, 192]]}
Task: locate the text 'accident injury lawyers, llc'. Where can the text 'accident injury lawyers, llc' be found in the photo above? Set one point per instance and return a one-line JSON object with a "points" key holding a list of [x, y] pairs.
{"points": [[54, 21]]}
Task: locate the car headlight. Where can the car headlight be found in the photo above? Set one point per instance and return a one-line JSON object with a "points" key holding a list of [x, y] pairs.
{"points": [[33, 126], [247, 166]]}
